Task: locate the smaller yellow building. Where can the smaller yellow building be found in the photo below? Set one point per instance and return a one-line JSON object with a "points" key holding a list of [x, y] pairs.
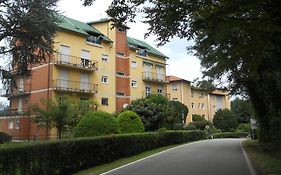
{"points": [[199, 101]]}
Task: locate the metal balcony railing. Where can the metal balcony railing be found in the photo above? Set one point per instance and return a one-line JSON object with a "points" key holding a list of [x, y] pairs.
{"points": [[23, 89], [76, 62], [148, 93], [15, 112], [155, 77], [75, 86]]}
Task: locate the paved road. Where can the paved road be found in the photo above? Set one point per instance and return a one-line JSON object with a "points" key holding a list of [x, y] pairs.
{"points": [[209, 157]]}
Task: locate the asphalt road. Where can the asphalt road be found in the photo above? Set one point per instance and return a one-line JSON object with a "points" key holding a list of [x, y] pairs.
{"points": [[209, 157]]}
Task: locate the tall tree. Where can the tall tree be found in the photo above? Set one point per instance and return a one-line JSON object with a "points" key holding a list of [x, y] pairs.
{"points": [[243, 109], [237, 39], [27, 29]]}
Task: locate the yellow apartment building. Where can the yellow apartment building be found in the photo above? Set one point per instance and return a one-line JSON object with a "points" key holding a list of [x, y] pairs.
{"points": [[198, 101], [93, 61]]}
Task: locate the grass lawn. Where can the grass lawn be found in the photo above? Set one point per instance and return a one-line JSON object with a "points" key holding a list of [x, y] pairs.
{"points": [[266, 158], [106, 167]]}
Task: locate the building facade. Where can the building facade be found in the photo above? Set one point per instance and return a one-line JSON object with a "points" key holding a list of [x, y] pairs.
{"points": [[199, 101], [93, 61]]}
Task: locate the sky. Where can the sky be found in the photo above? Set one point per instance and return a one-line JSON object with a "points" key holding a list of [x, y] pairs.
{"points": [[179, 63]]}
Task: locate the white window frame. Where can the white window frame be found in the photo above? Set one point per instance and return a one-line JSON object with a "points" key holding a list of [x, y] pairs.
{"points": [[160, 89], [134, 64], [120, 94], [192, 105], [104, 79], [11, 124], [134, 83], [120, 74], [104, 57], [174, 87], [17, 124]]}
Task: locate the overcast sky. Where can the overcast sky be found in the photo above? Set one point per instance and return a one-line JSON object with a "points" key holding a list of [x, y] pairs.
{"points": [[179, 64]]}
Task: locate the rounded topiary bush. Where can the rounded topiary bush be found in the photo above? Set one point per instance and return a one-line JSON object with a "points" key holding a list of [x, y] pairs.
{"points": [[4, 138], [96, 124], [130, 122], [190, 126]]}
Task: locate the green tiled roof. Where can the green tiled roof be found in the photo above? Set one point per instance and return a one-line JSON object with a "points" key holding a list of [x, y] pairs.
{"points": [[99, 21], [132, 42], [79, 27]]}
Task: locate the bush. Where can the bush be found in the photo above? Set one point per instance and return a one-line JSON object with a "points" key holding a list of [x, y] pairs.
{"points": [[244, 127], [130, 122], [225, 120], [190, 126], [231, 135], [196, 117], [95, 124], [70, 156], [201, 124], [4, 138]]}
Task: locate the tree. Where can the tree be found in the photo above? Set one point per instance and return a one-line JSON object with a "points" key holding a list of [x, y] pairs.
{"points": [[62, 113], [154, 111], [225, 120], [234, 39], [27, 29], [130, 122], [243, 109], [180, 112], [96, 124]]}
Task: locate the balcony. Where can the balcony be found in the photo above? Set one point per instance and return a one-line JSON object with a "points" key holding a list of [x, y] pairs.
{"points": [[75, 62], [15, 112], [75, 86], [148, 93], [19, 91], [154, 77]]}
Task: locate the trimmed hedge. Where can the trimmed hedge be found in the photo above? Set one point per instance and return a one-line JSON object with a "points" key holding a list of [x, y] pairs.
{"points": [[130, 122], [69, 156], [231, 135]]}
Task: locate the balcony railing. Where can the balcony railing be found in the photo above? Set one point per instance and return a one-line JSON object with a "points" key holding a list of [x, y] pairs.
{"points": [[154, 77], [75, 86], [76, 62], [18, 91], [148, 93], [15, 112]]}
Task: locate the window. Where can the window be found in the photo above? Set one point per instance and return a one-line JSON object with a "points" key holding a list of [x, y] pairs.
{"points": [[202, 106], [120, 74], [104, 79], [17, 124], [94, 39], [174, 87], [219, 102], [148, 90], [134, 83], [133, 64], [160, 90], [175, 99], [20, 87], [64, 54], [160, 73], [20, 106], [104, 101], [142, 52], [199, 106], [104, 57], [11, 124], [122, 54], [120, 94], [192, 105]]}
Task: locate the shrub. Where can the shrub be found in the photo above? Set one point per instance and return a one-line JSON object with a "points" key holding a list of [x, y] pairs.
{"points": [[201, 124], [130, 122], [95, 124], [225, 120], [70, 156], [190, 126], [231, 135], [196, 117], [4, 138], [244, 127], [162, 130]]}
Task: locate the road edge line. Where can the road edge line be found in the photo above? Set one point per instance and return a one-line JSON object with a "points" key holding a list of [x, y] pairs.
{"points": [[249, 163], [136, 161]]}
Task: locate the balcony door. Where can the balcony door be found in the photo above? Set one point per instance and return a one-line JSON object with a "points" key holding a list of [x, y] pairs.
{"points": [[20, 87], [148, 71], [85, 58], [63, 80], [160, 73], [84, 82], [64, 54]]}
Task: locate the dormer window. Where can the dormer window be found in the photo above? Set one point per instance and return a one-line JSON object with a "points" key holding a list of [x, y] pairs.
{"points": [[142, 52], [94, 39]]}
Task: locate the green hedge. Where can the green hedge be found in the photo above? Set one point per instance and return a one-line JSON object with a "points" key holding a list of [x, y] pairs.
{"points": [[69, 156], [231, 135], [4, 138]]}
